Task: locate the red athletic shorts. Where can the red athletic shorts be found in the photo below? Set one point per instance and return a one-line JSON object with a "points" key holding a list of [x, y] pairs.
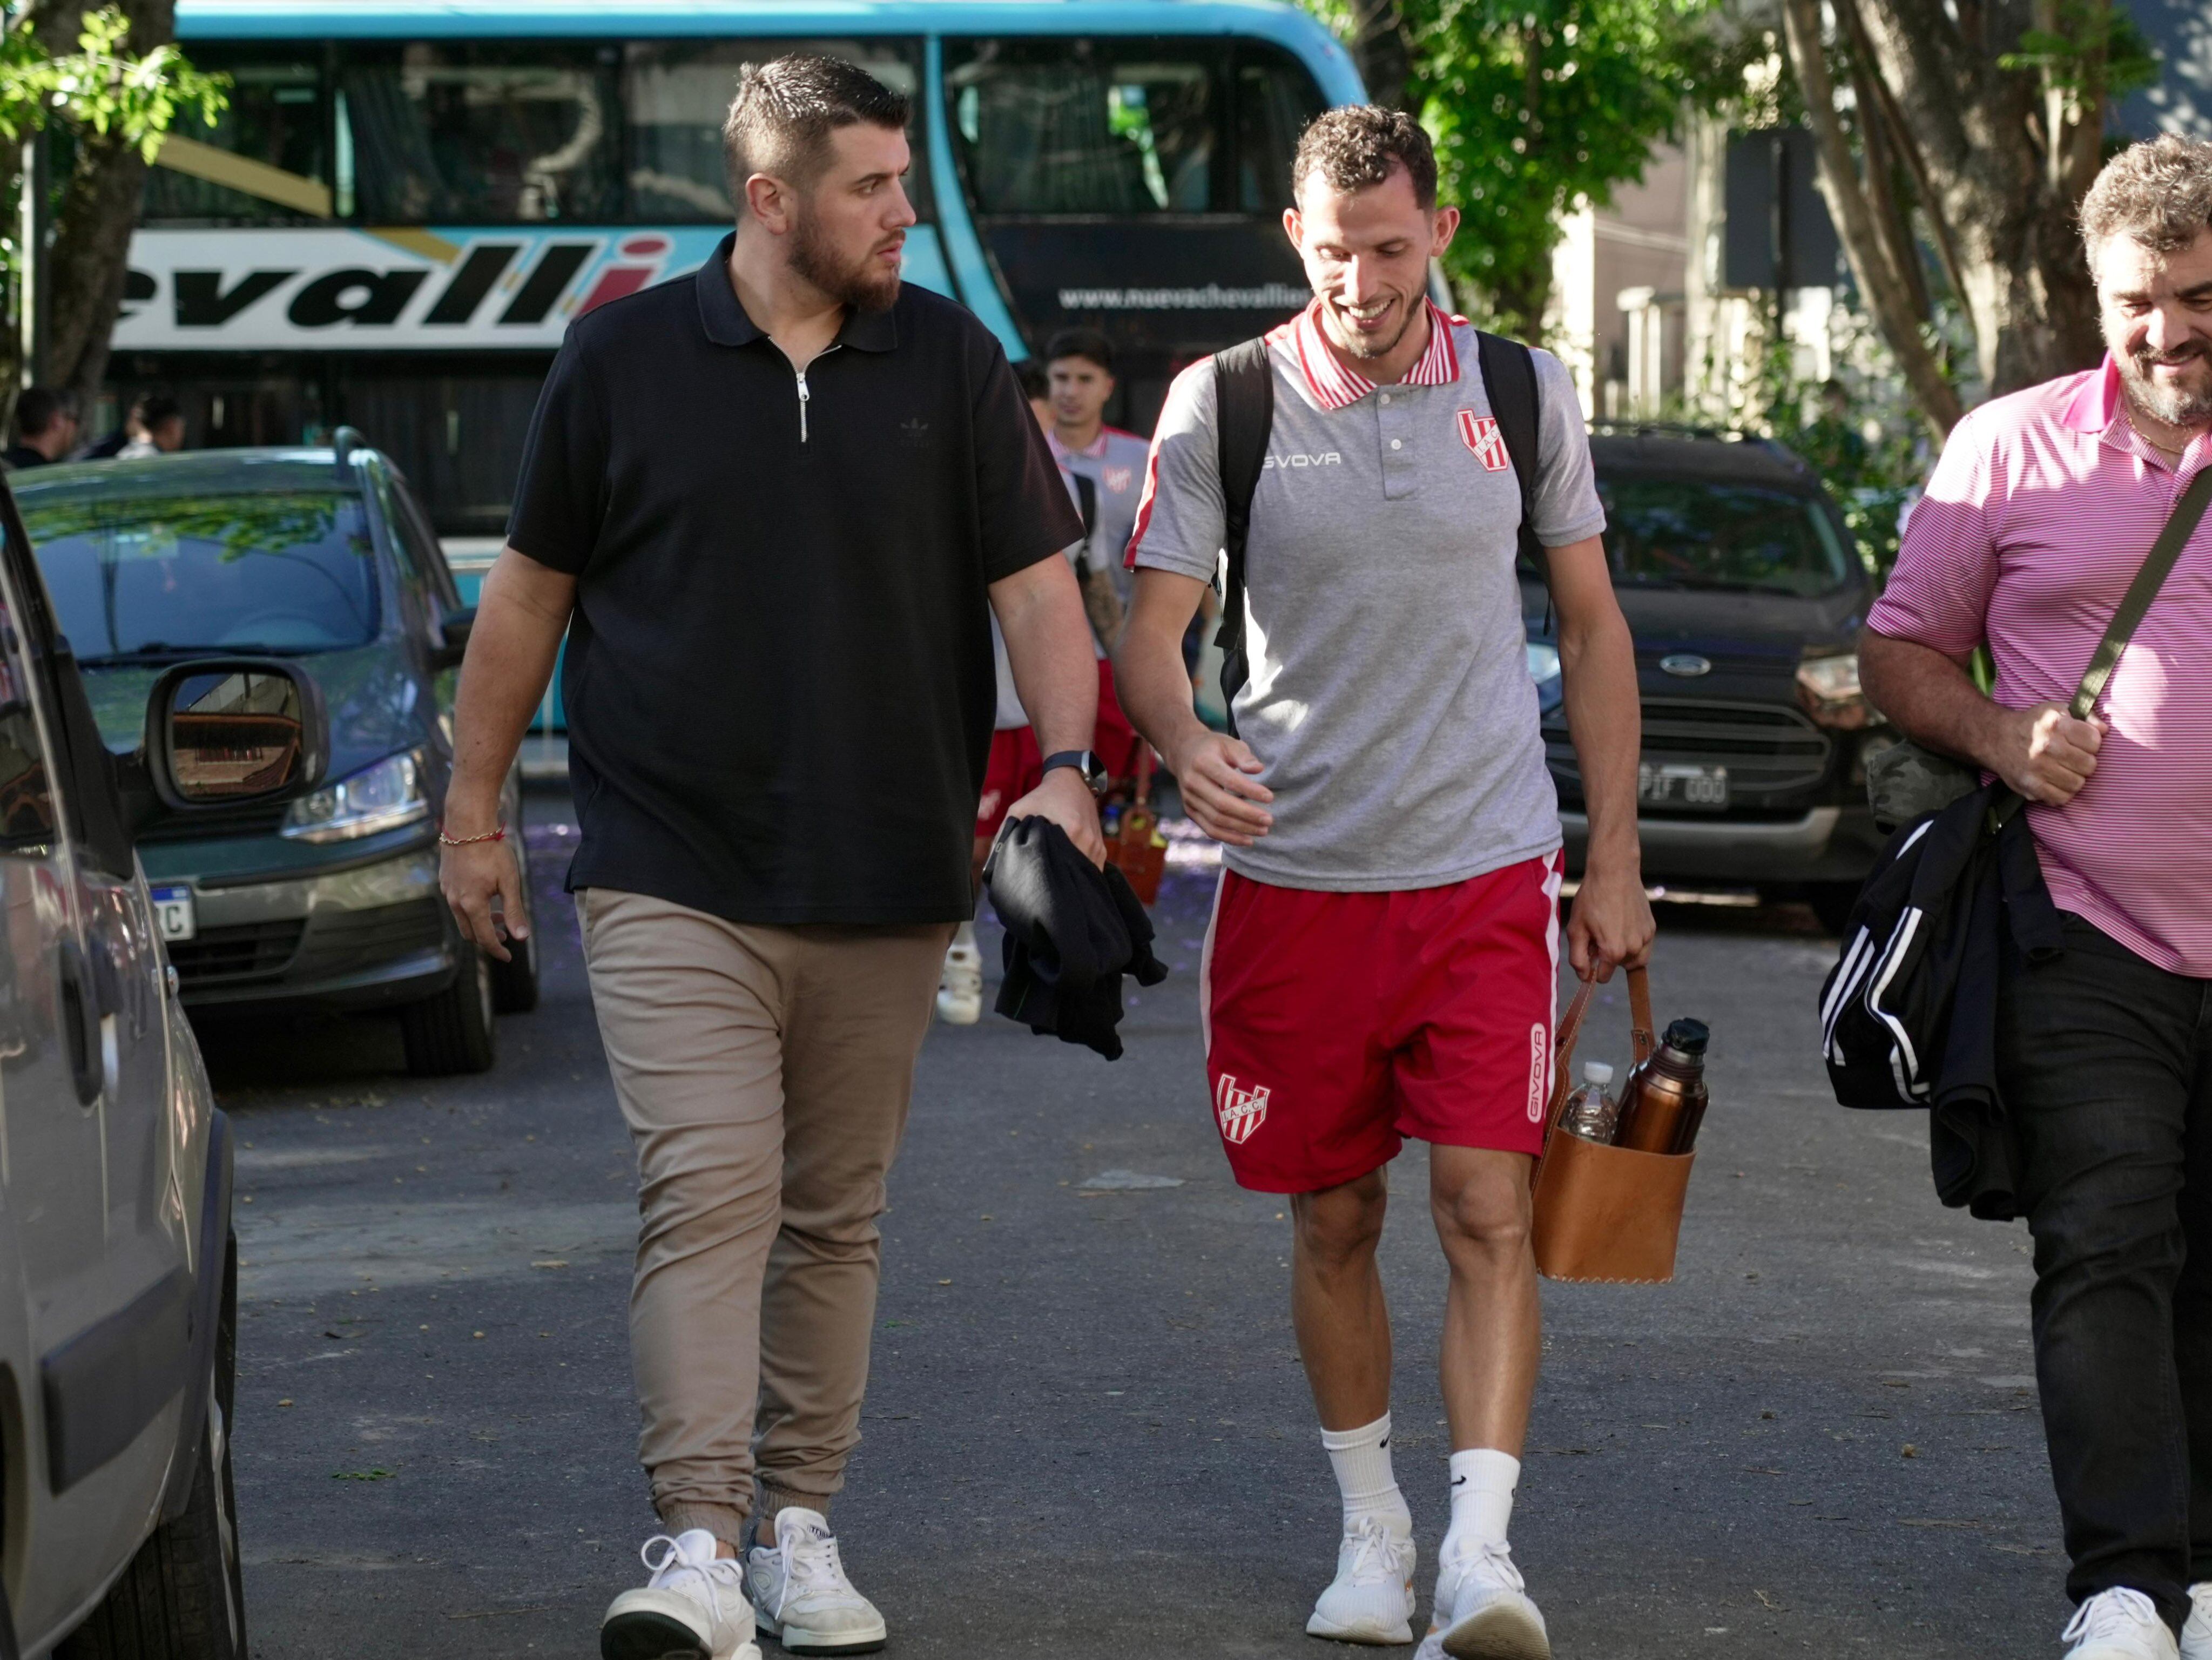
{"points": [[1017, 766], [1336, 1024], [1114, 740]]}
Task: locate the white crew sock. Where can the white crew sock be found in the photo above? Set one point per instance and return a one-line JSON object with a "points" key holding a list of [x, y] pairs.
{"points": [[1482, 1482], [1361, 1458]]}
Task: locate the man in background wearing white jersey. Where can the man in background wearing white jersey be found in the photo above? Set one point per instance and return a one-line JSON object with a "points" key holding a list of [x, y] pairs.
{"points": [[1384, 948]]}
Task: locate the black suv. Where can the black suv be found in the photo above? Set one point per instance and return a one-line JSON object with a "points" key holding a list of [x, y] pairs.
{"points": [[1746, 594]]}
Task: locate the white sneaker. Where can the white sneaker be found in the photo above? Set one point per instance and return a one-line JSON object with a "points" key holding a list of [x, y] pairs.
{"points": [[2120, 1623], [2196, 1634], [1371, 1598], [960, 985], [801, 1597], [694, 1606], [1482, 1613]]}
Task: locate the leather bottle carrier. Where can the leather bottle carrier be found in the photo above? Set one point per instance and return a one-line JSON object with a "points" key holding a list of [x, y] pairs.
{"points": [[1606, 1213]]}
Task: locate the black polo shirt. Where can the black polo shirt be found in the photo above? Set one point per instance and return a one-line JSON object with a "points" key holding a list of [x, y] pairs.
{"points": [[778, 681]]}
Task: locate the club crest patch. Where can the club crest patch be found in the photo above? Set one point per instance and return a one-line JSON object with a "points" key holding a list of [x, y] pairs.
{"points": [[1480, 433], [1117, 480], [1240, 1110]]}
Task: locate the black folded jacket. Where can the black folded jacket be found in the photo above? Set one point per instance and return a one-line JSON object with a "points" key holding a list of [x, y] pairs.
{"points": [[1072, 931]]}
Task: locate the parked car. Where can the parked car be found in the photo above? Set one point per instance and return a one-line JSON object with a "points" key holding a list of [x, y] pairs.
{"points": [[1746, 594], [328, 902], [119, 1534]]}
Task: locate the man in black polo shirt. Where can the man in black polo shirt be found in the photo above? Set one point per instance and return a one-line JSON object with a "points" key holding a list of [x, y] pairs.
{"points": [[775, 507]]}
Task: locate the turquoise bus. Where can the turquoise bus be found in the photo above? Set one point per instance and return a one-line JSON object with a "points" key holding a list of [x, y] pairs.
{"points": [[409, 200]]}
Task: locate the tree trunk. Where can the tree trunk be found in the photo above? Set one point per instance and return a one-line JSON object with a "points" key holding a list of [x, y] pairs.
{"points": [[83, 266], [2000, 163]]}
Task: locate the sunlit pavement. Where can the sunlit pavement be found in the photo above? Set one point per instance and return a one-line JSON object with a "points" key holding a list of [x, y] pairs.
{"points": [[1088, 1434]]}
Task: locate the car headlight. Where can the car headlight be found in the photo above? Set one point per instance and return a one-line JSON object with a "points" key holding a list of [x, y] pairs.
{"points": [[379, 798], [1543, 662], [1828, 689]]}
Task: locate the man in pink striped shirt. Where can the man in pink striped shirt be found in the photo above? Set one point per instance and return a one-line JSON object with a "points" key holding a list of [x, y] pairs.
{"points": [[2041, 511]]}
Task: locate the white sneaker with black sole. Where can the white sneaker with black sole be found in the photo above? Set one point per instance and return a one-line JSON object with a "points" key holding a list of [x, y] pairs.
{"points": [[1371, 1598], [694, 1606], [1482, 1611], [2196, 1635], [2120, 1623], [801, 1597]]}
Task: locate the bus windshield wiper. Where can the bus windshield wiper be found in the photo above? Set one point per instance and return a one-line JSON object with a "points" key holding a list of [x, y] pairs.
{"points": [[161, 651]]}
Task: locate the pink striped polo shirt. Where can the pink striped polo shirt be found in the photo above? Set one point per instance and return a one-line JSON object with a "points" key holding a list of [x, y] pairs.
{"points": [[2036, 519]]}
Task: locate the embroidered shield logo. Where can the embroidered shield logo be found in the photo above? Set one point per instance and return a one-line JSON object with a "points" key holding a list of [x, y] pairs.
{"points": [[1240, 1110], [1117, 480], [1480, 434]]}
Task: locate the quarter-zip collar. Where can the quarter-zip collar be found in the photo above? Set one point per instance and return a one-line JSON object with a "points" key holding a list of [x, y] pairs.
{"points": [[724, 320]]}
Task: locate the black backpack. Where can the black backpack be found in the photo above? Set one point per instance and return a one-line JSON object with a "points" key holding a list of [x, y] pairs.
{"points": [[1244, 395]]}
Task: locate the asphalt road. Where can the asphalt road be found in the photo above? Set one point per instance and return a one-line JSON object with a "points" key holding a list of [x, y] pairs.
{"points": [[1088, 1434]]}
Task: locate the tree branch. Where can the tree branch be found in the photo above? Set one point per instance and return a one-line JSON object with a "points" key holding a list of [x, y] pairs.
{"points": [[1908, 149], [1884, 288]]}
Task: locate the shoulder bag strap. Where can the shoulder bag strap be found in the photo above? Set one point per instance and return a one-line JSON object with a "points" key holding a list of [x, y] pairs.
{"points": [[2180, 525], [1086, 503], [1244, 398]]}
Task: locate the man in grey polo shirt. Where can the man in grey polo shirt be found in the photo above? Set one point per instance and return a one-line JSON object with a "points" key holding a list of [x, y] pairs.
{"points": [[1384, 947]]}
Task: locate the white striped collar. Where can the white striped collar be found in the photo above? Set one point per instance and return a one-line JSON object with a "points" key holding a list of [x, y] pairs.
{"points": [[1335, 387]]}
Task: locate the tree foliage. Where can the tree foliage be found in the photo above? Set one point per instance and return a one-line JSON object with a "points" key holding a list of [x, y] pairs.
{"points": [[1536, 107], [101, 88]]}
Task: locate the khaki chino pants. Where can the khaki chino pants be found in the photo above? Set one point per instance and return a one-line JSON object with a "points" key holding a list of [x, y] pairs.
{"points": [[765, 1074]]}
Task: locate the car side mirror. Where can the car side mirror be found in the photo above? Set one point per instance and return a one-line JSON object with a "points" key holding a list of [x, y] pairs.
{"points": [[230, 732], [453, 638]]}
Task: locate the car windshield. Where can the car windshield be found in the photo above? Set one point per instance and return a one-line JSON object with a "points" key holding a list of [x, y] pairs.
{"points": [[156, 576], [1703, 533]]}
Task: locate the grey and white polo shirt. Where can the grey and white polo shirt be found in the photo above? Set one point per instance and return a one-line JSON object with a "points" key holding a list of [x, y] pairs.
{"points": [[1389, 701]]}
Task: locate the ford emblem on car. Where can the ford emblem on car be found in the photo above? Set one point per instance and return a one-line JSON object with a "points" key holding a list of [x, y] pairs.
{"points": [[1688, 666]]}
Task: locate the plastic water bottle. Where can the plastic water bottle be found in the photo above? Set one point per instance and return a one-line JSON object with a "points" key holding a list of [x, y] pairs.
{"points": [[1590, 1112]]}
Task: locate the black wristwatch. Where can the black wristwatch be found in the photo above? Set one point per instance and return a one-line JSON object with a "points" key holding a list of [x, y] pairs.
{"points": [[1094, 773]]}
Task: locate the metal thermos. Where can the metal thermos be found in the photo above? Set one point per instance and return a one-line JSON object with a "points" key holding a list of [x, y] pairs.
{"points": [[1664, 1100]]}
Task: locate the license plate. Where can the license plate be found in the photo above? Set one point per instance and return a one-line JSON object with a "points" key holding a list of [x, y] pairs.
{"points": [[1676, 784], [173, 910]]}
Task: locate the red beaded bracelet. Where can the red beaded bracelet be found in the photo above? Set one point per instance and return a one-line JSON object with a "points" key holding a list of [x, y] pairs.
{"points": [[445, 841]]}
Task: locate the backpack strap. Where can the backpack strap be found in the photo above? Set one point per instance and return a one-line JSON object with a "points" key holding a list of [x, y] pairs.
{"points": [[1244, 400], [1509, 376], [1087, 502]]}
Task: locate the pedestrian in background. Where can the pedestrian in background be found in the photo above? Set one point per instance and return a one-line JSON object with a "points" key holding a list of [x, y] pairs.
{"points": [[2041, 511], [1079, 366], [1384, 948], [46, 429], [775, 506], [158, 428]]}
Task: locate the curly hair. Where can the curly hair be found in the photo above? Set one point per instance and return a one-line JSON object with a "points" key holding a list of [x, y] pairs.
{"points": [[1354, 146], [780, 121], [2158, 193]]}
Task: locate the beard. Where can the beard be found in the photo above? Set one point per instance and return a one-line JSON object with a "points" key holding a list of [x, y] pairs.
{"points": [[1367, 347], [2178, 406], [858, 284]]}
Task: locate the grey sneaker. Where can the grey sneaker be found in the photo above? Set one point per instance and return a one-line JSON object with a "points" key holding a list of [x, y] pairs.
{"points": [[693, 1608], [801, 1597]]}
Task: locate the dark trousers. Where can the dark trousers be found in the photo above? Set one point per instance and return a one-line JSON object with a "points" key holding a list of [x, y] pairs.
{"points": [[2105, 1066]]}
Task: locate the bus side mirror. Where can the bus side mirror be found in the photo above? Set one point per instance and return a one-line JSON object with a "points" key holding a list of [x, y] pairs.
{"points": [[230, 732]]}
